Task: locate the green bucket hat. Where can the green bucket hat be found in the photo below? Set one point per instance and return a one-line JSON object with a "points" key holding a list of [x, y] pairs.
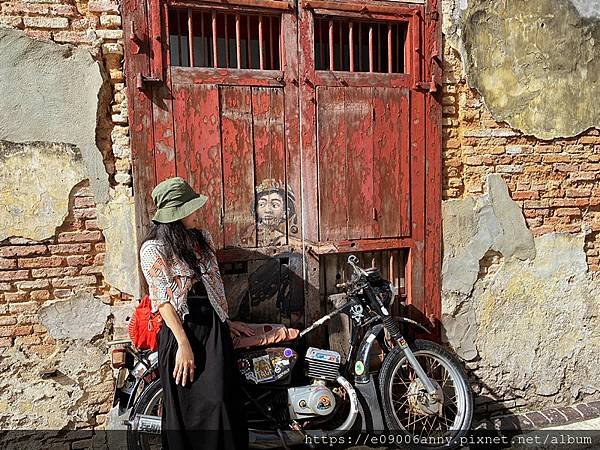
{"points": [[175, 199]]}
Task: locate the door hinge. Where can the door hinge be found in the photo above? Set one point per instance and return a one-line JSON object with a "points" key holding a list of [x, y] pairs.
{"points": [[431, 86], [143, 81]]}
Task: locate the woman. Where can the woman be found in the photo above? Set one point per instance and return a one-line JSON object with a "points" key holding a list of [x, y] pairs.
{"points": [[202, 406]]}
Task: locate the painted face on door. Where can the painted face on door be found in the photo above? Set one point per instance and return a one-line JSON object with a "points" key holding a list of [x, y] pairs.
{"points": [[271, 209]]}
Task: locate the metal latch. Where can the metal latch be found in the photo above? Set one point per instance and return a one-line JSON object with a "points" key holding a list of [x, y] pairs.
{"points": [[142, 81]]}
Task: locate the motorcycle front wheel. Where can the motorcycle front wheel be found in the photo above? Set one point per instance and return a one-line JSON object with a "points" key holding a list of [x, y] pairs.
{"points": [[418, 421]]}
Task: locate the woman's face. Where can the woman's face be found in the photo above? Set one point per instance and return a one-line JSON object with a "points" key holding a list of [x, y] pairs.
{"points": [[192, 220], [270, 208]]}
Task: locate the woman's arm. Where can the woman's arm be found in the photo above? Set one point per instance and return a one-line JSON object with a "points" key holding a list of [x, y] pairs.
{"points": [[184, 358], [160, 282]]}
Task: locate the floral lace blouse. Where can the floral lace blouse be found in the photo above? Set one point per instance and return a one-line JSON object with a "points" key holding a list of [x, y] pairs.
{"points": [[170, 281]]}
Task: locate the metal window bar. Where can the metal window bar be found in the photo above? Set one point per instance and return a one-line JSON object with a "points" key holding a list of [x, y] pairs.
{"points": [[198, 38], [359, 46]]}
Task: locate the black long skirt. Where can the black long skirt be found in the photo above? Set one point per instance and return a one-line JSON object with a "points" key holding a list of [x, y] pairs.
{"points": [[206, 414]]}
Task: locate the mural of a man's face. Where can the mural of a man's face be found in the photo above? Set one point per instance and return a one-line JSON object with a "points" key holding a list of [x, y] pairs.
{"points": [[271, 208]]}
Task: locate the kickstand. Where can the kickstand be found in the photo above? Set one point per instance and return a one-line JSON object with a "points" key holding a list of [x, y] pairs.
{"points": [[282, 439]]}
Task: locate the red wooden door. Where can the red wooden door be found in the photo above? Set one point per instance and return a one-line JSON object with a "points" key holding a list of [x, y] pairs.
{"points": [[313, 126]]}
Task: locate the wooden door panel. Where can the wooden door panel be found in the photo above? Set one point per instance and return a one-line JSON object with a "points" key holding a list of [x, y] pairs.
{"points": [[331, 144], [198, 143], [268, 124], [238, 166], [391, 177], [358, 114], [364, 169]]}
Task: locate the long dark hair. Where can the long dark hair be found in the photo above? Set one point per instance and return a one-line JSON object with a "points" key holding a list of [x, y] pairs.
{"points": [[178, 241]]}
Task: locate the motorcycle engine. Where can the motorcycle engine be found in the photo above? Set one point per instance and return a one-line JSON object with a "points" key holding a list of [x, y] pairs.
{"points": [[310, 401], [316, 399]]}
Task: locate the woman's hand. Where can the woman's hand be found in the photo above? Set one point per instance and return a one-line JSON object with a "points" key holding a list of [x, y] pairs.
{"points": [[184, 364], [238, 328]]}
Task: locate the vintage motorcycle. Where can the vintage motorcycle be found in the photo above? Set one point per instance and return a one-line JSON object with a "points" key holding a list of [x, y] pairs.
{"points": [[297, 395]]}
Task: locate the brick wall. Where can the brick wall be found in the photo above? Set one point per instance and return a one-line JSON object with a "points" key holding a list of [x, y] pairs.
{"points": [[556, 182], [33, 273]]}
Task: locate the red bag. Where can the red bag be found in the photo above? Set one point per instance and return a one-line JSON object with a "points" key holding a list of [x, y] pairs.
{"points": [[144, 326]]}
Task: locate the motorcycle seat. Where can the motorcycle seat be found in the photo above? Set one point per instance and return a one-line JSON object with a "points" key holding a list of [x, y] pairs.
{"points": [[265, 334]]}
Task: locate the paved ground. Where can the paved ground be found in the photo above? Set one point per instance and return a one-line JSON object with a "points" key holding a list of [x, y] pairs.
{"points": [[579, 431]]}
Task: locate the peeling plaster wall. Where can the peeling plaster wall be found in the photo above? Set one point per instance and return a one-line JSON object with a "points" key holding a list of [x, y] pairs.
{"points": [[68, 387], [67, 244], [523, 311], [49, 93], [535, 63], [34, 204]]}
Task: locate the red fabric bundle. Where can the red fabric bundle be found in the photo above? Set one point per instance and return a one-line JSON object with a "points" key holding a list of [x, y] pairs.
{"points": [[144, 326]]}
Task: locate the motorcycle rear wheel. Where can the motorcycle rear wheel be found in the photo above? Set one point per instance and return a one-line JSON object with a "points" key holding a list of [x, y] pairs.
{"points": [[150, 403], [401, 393]]}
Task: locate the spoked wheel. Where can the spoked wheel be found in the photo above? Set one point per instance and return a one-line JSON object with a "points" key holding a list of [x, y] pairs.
{"points": [[150, 403], [424, 421]]}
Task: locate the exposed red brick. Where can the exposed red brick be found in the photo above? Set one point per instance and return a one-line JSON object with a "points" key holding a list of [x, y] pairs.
{"points": [[573, 192], [54, 272], [16, 296], [22, 250], [84, 202], [100, 6], [525, 195], [14, 275], [85, 213], [7, 320], [91, 224], [556, 158], [70, 248], [568, 212], [589, 140], [32, 284], [80, 260], [99, 259], [91, 270], [74, 281], [39, 295], [41, 261], [79, 236], [6, 342], [7, 263]]}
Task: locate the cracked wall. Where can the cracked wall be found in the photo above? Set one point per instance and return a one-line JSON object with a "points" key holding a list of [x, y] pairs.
{"points": [[522, 311], [68, 229], [535, 64]]}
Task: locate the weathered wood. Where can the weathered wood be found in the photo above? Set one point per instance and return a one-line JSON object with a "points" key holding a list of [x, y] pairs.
{"points": [[198, 143], [333, 171], [279, 5], [231, 77], [140, 118], [364, 8], [238, 166], [269, 164], [362, 79], [358, 118], [289, 65], [416, 288], [433, 175], [392, 162]]}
